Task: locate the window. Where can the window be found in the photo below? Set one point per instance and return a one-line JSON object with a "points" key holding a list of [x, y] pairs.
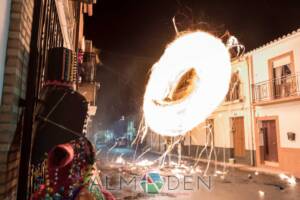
{"points": [[283, 81]]}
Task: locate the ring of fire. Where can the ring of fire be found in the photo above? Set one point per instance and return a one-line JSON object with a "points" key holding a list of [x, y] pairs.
{"points": [[187, 84]]}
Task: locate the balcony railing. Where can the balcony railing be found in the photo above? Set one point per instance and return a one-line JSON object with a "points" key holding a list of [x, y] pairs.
{"points": [[279, 88]]}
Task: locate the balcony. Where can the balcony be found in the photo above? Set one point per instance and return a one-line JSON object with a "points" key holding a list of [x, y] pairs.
{"points": [[87, 67], [277, 90], [235, 94]]}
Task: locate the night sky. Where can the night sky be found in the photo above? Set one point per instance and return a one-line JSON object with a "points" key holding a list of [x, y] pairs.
{"points": [[132, 35]]}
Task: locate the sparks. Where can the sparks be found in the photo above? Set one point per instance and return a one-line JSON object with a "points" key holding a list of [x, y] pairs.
{"points": [[120, 160], [291, 180], [144, 163]]}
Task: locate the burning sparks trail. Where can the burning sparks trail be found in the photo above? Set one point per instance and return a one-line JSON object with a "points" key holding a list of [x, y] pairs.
{"points": [[109, 150], [141, 134], [184, 88], [209, 143], [170, 147], [140, 156]]}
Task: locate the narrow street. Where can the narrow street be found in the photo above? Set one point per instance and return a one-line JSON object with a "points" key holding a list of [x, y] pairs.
{"points": [[149, 100], [234, 185]]}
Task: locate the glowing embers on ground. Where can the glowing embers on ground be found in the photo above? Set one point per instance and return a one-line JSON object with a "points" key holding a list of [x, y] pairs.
{"points": [[120, 160], [291, 180], [188, 82]]}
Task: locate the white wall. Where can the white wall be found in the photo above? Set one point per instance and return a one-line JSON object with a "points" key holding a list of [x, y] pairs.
{"points": [[198, 135], [261, 56], [289, 121], [288, 113], [4, 25], [222, 129], [223, 114]]}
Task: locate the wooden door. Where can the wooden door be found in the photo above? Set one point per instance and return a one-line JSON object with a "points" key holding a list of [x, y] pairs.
{"points": [[238, 136], [270, 140]]}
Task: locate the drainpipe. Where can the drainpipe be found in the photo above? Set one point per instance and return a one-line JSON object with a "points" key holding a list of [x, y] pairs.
{"points": [[252, 107], [190, 143]]}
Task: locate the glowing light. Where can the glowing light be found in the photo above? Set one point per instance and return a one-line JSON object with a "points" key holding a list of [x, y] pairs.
{"points": [[186, 85], [178, 173], [198, 170], [291, 180], [220, 172], [120, 160], [261, 193], [145, 163]]}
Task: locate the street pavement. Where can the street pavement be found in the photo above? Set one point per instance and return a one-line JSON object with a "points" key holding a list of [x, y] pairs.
{"points": [[185, 182]]}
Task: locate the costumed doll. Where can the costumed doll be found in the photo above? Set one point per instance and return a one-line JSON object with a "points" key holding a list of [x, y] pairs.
{"points": [[70, 173]]}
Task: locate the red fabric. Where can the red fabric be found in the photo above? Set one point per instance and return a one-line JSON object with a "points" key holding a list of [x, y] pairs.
{"points": [[107, 194], [63, 165], [68, 149], [39, 194], [62, 157]]}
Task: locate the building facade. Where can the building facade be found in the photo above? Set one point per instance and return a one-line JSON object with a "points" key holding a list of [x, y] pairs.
{"points": [[57, 23], [229, 127], [16, 23], [275, 79], [258, 122]]}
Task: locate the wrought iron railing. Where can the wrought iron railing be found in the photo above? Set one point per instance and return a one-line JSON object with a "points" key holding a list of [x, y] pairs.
{"points": [[279, 88], [46, 34], [49, 36]]}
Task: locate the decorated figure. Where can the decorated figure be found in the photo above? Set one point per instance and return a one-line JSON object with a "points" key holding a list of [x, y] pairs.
{"points": [[70, 173]]}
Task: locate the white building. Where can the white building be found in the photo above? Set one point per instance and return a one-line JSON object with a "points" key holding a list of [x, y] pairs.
{"points": [[259, 120], [275, 70], [4, 25], [230, 129], [230, 123]]}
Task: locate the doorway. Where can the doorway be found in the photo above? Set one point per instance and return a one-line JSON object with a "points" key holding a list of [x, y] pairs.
{"points": [[268, 141], [237, 128]]}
